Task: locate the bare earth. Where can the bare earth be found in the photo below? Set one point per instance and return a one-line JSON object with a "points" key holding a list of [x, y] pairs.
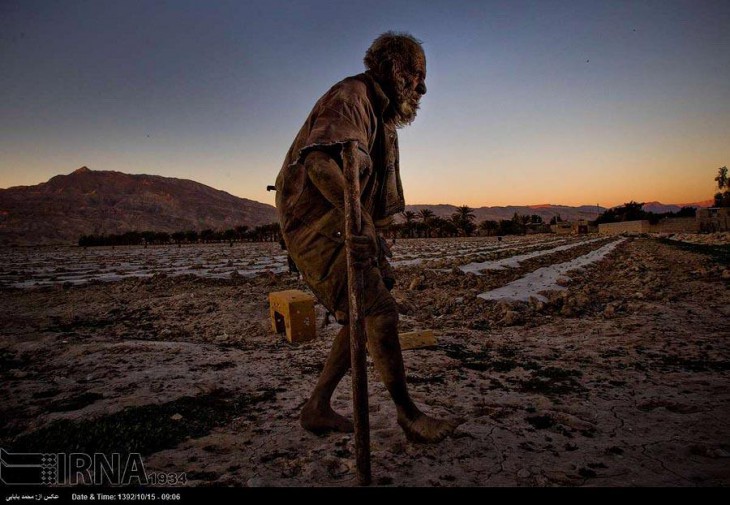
{"points": [[621, 379]]}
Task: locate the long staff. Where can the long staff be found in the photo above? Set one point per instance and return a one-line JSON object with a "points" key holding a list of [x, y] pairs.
{"points": [[356, 321]]}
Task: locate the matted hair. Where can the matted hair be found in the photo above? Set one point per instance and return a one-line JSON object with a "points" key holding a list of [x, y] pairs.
{"points": [[392, 58], [393, 53]]}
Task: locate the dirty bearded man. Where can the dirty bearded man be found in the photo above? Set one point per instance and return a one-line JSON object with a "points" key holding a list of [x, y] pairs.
{"points": [[367, 108]]}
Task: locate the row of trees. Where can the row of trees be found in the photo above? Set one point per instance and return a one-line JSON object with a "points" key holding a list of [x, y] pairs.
{"points": [[264, 233], [520, 224], [462, 223], [421, 224], [426, 224], [634, 211]]}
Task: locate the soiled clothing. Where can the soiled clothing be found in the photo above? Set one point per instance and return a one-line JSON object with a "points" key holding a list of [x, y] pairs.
{"points": [[312, 227]]}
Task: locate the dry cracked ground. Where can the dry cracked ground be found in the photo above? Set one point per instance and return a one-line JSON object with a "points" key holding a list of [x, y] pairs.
{"points": [[620, 379]]}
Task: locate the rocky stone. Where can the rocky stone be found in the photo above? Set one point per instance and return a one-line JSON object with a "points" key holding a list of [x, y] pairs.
{"points": [[416, 283], [581, 300], [563, 281], [557, 297], [567, 311], [503, 306], [511, 318], [536, 304]]}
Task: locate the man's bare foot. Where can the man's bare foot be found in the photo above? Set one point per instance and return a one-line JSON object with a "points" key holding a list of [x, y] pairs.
{"points": [[425, 429], [320, 420]]}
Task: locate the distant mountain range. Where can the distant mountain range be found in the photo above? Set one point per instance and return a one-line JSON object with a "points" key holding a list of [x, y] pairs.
{"points": [[659, 208], [547, 211], [94, 202], [104, 202]]}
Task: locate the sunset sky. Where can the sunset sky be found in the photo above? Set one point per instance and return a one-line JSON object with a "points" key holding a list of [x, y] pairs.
{"points": [[528, 102]]}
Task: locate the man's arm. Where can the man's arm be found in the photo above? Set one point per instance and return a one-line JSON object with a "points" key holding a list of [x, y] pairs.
{"points": [[326, 174]]}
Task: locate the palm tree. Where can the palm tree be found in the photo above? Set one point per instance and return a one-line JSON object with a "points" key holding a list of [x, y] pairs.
{"points": [[230, 235], [464, 219], [722, 198], [426, 216], [178, 237], [443, 227], [489, 227], [192, 236], [207, 235], [241, 231], [722, 178], [466, 213], [410, 217]]}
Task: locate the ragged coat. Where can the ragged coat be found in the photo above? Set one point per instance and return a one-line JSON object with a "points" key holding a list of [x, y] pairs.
{"points": [[312, 227]]}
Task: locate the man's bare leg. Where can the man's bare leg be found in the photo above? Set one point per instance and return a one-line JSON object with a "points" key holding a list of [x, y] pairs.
{"points": [[382, 331], [317, 414]]}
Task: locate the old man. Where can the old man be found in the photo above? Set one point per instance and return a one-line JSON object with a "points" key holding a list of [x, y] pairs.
{"points": [[367, 108]]}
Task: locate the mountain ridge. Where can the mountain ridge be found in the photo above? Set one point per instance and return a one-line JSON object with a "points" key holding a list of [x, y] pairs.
{"points": [[86, 202]]}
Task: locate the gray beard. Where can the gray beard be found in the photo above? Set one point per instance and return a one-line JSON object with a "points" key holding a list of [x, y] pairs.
{"points": [[404, 102], [407, 109]]}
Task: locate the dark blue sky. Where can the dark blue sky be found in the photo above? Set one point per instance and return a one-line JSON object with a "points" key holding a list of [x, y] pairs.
{"points": [[528, 102]]}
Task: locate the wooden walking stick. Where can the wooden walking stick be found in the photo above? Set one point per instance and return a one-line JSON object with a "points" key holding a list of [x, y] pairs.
{"points": [[353, 215]]}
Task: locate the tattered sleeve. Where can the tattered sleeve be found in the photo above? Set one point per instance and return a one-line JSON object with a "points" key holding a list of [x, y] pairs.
{"points": [[343, 114], [340, 116]]}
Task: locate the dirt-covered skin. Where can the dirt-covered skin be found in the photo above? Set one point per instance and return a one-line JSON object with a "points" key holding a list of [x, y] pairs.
{"points": [[622, 379]]}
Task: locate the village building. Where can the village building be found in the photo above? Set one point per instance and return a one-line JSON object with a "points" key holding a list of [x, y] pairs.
{"points": [[713, 219], [707, 220]]}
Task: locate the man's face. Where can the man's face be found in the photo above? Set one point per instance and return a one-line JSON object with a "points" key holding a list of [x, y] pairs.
{"points": [[417, 78], [409, 90]]}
